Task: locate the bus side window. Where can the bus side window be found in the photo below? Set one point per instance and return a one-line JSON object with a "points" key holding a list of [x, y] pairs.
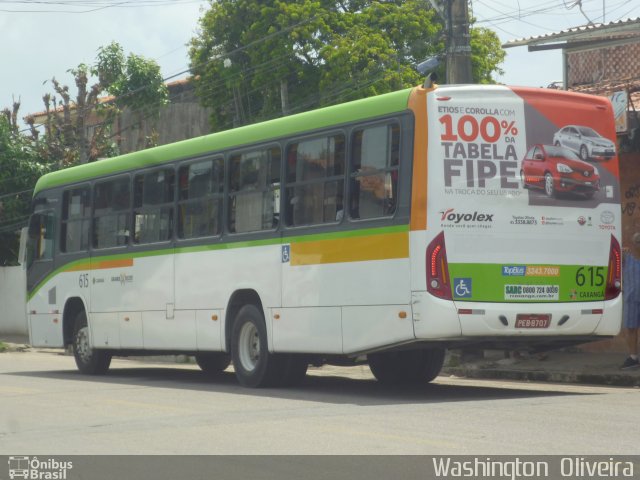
{"points": [[153, 206], [374, 171], [315, 180], [201, 186], [76, 220], [112, 213], [41, 236], [254, 190]]}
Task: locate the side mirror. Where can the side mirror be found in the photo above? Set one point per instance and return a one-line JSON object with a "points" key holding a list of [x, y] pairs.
{"points": [[538, 156]]}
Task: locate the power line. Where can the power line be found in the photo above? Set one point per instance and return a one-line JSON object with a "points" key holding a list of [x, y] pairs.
{"points": [[15, 194], [219, 57], [221, 84], [517, 15], [100, 5]]}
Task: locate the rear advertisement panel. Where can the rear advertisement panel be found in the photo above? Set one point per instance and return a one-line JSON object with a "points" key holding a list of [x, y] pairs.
{"points": [[525, 185]]}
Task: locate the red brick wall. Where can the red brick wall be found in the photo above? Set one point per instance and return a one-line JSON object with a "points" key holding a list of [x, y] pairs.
{"points": [[608, 63]]}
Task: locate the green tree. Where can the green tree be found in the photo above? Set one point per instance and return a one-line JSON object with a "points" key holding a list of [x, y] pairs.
{"points": [[253, 60], [20, 167], [67, 138], [374, 47], [136, 83], [78, 129], [486, 55]]}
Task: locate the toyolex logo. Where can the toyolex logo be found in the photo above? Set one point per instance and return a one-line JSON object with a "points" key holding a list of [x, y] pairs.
{"points": [[452, 216], [36, 469], [514, 270]]}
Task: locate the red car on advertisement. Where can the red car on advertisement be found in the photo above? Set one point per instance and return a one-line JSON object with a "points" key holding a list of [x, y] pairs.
{"points": [[557, 169]]}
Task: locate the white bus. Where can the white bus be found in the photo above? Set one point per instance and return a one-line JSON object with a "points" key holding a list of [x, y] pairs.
{"points": [[383, 230]]}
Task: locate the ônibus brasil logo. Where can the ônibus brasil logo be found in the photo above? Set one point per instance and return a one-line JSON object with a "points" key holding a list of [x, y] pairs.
{"points": [[32, 468], [452, 216]]}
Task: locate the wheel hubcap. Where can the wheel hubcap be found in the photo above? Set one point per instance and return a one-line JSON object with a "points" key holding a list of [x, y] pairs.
{"points": [[249, 347], [549, 185], [83, 348]]}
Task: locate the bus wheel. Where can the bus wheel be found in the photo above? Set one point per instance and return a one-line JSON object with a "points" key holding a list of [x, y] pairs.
{"points": [[213, 363], [252, 362], [407, 367], [294, 370], [89, 360]]}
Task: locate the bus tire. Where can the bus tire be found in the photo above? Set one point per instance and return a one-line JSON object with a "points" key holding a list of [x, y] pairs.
{"points": [[213, 363], [407, 367], [90, 361], [254, 365], [294, 370], [433, 362]]}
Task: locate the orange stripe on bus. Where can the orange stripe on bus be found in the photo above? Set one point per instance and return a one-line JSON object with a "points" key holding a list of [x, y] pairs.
{"points": [[418, 104], [79, 267], [354, 249], [103, 264]]}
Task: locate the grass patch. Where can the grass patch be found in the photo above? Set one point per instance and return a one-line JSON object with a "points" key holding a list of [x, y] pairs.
{"points": [[3, 347]]}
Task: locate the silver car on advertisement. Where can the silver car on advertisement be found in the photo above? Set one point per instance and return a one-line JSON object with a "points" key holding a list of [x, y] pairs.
{"points": [[585, 141]]}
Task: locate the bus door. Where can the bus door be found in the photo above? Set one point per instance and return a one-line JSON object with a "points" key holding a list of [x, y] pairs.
{"points": [[40, 263]]}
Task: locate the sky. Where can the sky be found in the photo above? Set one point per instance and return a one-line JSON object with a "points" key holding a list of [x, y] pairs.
{"points": [[41, 39]]}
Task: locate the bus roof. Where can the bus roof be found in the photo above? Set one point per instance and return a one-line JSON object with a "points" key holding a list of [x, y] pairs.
{"points": [[237, 137]]}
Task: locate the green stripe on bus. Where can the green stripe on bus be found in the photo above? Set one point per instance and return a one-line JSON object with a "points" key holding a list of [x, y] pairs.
{"points": [[72, 266]]}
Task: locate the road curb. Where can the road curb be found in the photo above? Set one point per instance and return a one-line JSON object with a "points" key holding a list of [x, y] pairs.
{"points": [[619, 380], [14, 347]]}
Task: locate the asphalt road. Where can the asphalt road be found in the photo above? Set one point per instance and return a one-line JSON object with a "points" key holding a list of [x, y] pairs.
{"points": [[47, 407]]}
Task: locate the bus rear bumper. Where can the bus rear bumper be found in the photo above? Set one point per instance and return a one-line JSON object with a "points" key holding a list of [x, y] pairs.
{"points": [[437, 319]]}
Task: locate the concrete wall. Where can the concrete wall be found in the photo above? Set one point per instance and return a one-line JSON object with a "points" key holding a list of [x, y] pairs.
{"points": [[13, 317], [177, 121]]}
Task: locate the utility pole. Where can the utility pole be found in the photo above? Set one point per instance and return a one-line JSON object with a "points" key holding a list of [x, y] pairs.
{"points": [[458, 46]]}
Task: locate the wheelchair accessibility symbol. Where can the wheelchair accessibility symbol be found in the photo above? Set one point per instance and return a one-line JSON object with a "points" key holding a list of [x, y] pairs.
{"points": [[286, 253], [462, 287]]}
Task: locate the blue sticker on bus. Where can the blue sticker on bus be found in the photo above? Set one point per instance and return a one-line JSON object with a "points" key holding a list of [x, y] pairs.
{"points": [[462, 287], [514, 270]]}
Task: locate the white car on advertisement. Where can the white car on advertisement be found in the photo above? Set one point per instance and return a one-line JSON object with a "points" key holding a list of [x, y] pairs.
{"points": [[585, 141]]}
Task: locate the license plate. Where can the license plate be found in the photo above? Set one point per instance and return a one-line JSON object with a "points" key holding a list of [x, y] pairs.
{"points": [[533, 320]]}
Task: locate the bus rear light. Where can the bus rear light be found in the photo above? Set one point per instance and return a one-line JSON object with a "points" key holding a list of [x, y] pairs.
{"points": [[614, 276], [437, 269]]}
